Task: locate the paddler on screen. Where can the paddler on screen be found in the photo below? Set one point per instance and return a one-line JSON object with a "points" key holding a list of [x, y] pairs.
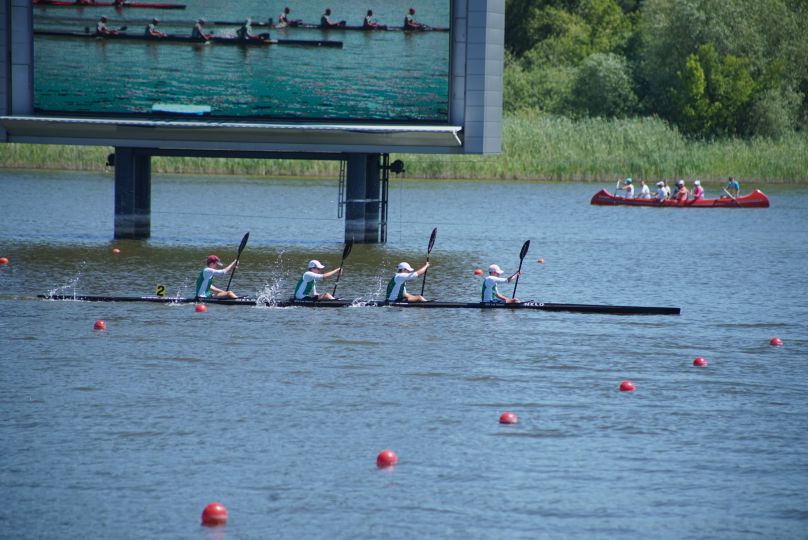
{"points": [[198, 32], [326, 22], [101, 28], [371, 24], [204, 283], [306, 288], [152, 31], [396, 291], [490, 293], [410, 23], [284, 20], [245, 33]]}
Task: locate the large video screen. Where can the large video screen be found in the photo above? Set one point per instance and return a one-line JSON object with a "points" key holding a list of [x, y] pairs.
{"points": [[200, 59]]}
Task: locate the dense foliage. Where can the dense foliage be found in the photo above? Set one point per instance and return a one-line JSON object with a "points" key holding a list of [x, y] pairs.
{"points": [[712, 68]]}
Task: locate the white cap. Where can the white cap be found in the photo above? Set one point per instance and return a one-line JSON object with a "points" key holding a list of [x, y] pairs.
{"points": [[495, 268], [660, 184], [404, 266], [316, 264], [697, 182]]}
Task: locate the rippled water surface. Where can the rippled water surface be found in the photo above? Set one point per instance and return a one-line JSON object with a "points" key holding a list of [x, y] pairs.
{"points": [[279, 413]]}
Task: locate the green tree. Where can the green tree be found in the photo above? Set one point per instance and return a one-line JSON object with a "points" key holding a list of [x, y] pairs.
{"points": [[603, 87]]}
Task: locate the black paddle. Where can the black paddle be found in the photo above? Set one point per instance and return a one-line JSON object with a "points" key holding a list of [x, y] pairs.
{"points": [[240, 249], [522, 254], [428, 251], [345, 252]]}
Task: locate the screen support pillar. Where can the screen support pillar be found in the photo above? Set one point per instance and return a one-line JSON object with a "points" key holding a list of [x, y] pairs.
{"points": [[132, 193], [364, 205]]}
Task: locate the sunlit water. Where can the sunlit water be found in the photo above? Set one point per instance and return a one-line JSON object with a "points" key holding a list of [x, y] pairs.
{"points": [[280, 413]]}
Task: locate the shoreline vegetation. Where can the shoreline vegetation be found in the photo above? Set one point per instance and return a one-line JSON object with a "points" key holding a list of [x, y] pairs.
{"points": [[534, 147]]}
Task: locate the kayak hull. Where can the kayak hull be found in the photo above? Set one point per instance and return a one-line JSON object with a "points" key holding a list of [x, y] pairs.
{"points": [[142, 5], [756, 199], [173, 38], [540, 306]]}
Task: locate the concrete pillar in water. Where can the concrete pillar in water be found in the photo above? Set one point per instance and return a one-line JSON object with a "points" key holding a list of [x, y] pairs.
{"points": [[132, 193], [363, 199]]}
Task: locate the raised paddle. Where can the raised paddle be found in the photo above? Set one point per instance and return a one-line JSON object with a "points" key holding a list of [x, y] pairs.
{"points": [[428, 251], [240, 249], [731, 196], [522, 254], [345, 252]]}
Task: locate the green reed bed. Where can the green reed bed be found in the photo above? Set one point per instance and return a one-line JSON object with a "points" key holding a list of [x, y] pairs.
{"points": [[535, 147]]}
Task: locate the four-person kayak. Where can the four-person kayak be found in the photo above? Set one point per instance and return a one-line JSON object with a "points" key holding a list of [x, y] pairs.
{"points": [[756, 199], [540, 306]]}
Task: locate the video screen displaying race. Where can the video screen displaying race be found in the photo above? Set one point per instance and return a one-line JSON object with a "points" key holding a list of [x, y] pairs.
{"points": [[368, 61]]}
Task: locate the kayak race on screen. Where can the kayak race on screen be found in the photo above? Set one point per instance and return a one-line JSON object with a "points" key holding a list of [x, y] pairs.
{"points": [[369, 61]]}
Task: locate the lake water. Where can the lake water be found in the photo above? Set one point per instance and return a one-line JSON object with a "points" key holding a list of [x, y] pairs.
{"points": [[279, 413]]}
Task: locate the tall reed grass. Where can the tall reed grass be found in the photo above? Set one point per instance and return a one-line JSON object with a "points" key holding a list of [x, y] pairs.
{"points": [[535, 147]]}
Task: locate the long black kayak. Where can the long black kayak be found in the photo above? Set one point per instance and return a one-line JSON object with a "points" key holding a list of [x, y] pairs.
{"points": [[145, 5], [311, 26], [541, 306], [173, 38]]}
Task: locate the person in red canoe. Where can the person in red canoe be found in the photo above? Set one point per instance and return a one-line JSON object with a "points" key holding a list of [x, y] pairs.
{"points": [[369, 23], [152, 31], [410, 23], [628, 186], [326, 22], [284, 20], [698, 191], [101, 28], [681, 191]]}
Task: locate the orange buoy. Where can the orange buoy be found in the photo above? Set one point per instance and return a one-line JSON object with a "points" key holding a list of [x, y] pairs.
{"points": [[699, 361], [776, 342], [214, 515], [100, 325], [540, 261], [507, 418], [201, 308], [386, 458], [116, 250], [478, 271], [626, 386], [3, 260]]}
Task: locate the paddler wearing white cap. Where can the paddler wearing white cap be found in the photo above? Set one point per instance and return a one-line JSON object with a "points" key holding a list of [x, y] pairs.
{"points": [[396, 291], [490, 292], [306, 288], [698, 191], [661, 192]]}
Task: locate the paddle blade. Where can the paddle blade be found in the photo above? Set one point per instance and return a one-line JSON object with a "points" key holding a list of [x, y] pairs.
{"points": [[347, 249], [525, 247], [432, 240], [243, 243]]}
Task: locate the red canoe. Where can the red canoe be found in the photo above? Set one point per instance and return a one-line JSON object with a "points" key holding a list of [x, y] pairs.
{"points": [[63, 3], [756, 199]]}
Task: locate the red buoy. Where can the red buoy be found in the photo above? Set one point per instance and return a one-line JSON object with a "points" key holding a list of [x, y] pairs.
{"points": [[386, 458], [201, 308], [4, 260], [540, 261], [214, 515], [100, 325], [507, 418], [626, 386], [776, 342], [116, 250], [699, 361], [478, 271]]}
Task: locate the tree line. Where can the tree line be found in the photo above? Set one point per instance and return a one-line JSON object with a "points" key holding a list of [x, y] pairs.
{"points": [[712, 68]]}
